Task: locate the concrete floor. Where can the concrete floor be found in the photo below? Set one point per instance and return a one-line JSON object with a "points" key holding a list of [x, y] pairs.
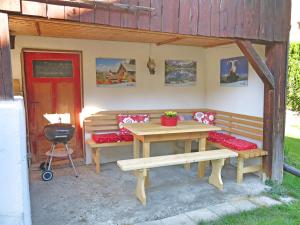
{"points": [[109, 199]]}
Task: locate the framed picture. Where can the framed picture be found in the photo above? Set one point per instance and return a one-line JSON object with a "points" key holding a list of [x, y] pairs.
{"points": [[115, 72], [180, 72], [234, 72]]}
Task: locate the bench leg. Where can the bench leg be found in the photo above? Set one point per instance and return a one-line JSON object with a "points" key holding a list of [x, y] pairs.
{"points": [[140, 186], [187, 149], [96, 159], [215, 177], [202, 165], [240, 170]]}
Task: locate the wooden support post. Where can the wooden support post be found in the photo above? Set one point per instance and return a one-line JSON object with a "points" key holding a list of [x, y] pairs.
{"points": [[268, 129], [256, 62], [6, 80], [277, 57], [273, 73]]}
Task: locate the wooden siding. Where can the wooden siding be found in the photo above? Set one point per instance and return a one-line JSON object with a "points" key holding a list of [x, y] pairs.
{"points": [[6, 82], [264, 20]]}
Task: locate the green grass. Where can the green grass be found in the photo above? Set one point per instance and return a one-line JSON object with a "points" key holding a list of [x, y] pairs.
{"points": [[278, 215]]}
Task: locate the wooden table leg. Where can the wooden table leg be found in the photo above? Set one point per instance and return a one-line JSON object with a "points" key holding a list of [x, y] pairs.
{"points": [[202, 165], [215, 177], [136, 151], [187, 149], [136, 148], [146, 154]]}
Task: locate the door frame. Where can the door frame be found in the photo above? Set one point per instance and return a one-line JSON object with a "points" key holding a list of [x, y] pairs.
{"points": [[43, 50]]}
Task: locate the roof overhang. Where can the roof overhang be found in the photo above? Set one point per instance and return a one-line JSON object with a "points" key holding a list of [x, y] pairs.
{"points": [[20, 25]]}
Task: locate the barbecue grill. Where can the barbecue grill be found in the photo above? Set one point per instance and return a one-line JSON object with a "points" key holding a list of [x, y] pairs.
{"points": [[57, 133]]}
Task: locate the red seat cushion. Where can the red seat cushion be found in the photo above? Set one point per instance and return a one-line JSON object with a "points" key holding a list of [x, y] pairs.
{"points": [[218, 137], [106, 138], [205, 117], [123, 119], [126, 137], [238, 144]]}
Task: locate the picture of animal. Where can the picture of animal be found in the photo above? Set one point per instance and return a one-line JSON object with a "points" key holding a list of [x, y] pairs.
{"points": [[234, 72]]}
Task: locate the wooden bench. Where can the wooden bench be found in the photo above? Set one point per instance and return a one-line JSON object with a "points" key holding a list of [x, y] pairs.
{"points": [[243, 126], [141, 165], [106, 121], [237, 124]]}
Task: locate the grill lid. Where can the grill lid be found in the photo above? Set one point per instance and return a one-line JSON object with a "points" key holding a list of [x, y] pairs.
{"points": [[59, 132]]}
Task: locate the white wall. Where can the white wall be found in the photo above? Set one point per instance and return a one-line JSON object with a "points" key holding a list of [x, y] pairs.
{"points": [[14, 187], [244, 100], [149, 92]]}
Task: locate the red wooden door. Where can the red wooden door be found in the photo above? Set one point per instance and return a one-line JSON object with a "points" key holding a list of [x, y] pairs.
{"points": [[53, 85]]}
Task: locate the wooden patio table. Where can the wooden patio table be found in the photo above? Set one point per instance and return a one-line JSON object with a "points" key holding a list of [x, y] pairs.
{"points": [[155, 132]]}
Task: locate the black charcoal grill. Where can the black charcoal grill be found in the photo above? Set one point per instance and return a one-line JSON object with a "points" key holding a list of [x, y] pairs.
{"points": [[57, 133]]}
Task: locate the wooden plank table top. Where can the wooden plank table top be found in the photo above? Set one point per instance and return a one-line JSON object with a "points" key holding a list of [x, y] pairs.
{"points": [[144, 129]]}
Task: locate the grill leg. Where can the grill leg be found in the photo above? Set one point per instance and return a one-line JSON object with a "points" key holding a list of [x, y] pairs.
{"points": [[70, 158], [51, 156]]}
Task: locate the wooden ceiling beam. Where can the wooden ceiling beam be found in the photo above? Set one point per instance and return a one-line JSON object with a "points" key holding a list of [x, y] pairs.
{"points": [[169, 41], [256, 62]]}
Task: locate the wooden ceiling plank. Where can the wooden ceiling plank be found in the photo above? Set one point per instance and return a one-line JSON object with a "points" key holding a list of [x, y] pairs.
{"points": [[66, 29]]}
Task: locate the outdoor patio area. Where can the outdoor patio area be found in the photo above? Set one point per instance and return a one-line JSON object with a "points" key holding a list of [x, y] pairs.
{"points": [[109, 198]]}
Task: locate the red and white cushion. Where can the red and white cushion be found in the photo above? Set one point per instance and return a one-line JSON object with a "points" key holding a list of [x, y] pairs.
{"points": [[238, 144], [125, 119], [218, 137], [205, 117]]}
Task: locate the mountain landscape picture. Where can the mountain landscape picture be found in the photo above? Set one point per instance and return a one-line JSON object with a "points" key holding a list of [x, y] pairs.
{"points": [[180, 72]]}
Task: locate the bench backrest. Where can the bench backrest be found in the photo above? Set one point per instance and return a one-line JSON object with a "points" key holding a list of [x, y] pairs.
{"points": [[177, 159], [107, 120], [239, 124]]}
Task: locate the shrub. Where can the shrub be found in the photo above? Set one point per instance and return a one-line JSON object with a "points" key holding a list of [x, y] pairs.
{"points": [[293, 84]]}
